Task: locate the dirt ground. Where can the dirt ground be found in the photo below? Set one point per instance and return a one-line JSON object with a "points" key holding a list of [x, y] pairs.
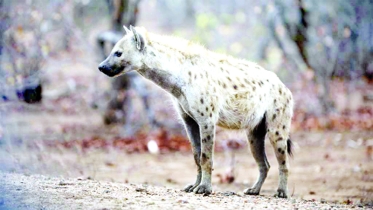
{"points": [[328, 170], [41, 192]]}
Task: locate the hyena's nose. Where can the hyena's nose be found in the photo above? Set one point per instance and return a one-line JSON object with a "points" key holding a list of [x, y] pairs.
{"points": [[103, 67]]}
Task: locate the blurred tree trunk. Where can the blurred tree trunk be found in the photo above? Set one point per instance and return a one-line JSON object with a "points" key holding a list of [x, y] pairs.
{"points": [[25, 59], [4, 22], [67, 8], [4, 19], [297, 32], [300, 36], [123, 12], [119, 10]]}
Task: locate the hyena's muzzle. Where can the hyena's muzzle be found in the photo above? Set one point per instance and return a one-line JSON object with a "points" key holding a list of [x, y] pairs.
{"points": [[110, 70]]}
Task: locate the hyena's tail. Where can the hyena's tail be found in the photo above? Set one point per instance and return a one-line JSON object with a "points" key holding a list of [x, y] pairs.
{"points": [[290, 147]]}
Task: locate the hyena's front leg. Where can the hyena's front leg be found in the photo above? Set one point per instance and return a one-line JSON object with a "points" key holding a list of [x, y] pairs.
{"points": [[207, 151], [193, 132]]}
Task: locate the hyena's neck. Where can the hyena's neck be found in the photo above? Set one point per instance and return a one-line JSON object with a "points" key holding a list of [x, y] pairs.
{"points": [[164, 71]]}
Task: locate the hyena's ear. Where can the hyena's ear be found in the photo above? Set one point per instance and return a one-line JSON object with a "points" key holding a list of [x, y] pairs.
{"points": [[140, 42], [126, 30]]}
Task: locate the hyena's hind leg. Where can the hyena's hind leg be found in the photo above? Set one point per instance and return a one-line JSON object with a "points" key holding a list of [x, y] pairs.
{"points": [[279, 138], [256, 138], [193, 132]]}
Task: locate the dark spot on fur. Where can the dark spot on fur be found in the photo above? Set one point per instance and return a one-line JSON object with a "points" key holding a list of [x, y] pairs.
{"points": [[210, 114], [283, 127], [274, 101], [201, 100], [190, 73], [274, 117], [229, 79], [242, 85], [195, 76], [283, 162], [279, 150], [208, 137], [202, 114], [289, 146], [254, 82], [280, 91], [207, 108], [204, 158], [204, 140], [283, 152], [206, 126], [280, 139], [277, 133], [235, 87], [224, 85], [254, 88], [247, 81]]}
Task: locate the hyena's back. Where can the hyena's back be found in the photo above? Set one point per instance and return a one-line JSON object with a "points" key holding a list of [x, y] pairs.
{"points": [[242, 92]]}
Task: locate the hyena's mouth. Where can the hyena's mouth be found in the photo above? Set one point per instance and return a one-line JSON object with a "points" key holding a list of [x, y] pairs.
{"points": [[111, 72]]}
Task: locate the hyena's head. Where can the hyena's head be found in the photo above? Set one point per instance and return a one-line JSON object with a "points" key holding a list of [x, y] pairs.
{"points": [[126, 55]]}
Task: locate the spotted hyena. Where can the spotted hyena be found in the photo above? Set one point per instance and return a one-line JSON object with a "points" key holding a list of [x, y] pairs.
{"points": [[211, 89]]}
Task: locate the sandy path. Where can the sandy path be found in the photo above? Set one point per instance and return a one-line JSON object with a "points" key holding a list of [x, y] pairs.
{"points": [[41, 192]]}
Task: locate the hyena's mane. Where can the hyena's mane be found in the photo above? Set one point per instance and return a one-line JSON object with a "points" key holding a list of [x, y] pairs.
{"points": [[171, 43], [191, 50]]}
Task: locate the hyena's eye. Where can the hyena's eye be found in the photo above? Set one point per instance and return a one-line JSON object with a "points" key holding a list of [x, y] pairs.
{"points": [[118, 54]]}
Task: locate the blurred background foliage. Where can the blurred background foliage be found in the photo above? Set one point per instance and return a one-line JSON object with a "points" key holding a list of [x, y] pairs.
{"points": [[322, 50]]}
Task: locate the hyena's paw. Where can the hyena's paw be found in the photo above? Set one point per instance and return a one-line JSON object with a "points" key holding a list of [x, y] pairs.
{"points": [[251, 191], [190, 188], [203, 189], [281, 194]]}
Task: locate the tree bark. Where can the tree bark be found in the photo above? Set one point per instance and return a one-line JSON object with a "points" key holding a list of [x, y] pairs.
{"points": [[123, 12]]}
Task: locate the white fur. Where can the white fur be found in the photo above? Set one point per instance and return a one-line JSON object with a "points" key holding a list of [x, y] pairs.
{"points": [[213, 89]]}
